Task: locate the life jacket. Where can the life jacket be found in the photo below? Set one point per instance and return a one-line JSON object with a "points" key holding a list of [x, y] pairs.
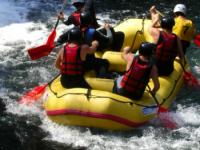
{"points": [[184, 29], [137, 77], [89, 34], [166, 48], [76, 18], [72, 63]]}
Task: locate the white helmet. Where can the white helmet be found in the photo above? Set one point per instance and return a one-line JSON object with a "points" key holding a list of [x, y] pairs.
{"points": [[180, 8], [78, 1]]}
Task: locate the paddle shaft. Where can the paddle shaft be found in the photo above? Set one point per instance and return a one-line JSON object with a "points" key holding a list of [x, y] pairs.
{"points": [[154, 97], [61, 10]]}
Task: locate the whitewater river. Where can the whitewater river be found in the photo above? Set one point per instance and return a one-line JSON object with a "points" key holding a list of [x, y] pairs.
{"points": [[27, 23]]}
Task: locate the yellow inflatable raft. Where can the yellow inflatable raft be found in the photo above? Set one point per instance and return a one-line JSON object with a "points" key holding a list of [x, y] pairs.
{"points": [[101, 108]]}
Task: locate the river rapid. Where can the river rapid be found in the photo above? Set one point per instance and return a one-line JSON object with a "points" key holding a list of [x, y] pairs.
{"points": [[27, 23]]}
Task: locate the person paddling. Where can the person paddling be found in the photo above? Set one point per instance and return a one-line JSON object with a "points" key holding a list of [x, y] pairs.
{"points": [[74, 18], [70, 60], [184, 28], [139, 69], [168, 44]]}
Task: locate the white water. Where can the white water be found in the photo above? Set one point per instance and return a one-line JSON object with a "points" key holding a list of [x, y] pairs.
{"points": [[16, 30]]}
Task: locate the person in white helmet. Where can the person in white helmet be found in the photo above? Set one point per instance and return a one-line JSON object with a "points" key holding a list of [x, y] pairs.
{"points": [[184, 27]]}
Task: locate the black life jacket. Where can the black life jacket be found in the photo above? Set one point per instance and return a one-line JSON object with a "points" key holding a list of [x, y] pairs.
{"points": [[137, 77], [72, 63]]}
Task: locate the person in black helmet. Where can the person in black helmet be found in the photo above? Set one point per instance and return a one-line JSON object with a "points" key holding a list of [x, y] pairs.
{"points": [[74, 18], [90, 34], [70, 60], [168, 44], [80, 5], [139, 69]]}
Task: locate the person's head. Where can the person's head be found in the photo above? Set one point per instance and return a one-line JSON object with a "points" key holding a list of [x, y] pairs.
{"points": [[147, 49], [167, 23], [85, 19], [75, 35], [78, 4], [180, 10]]}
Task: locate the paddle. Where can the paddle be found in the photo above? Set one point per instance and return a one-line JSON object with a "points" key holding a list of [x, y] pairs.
{"points": [[197, 40], [189, 79], [163, 114], [45, 49], [35, 94]]}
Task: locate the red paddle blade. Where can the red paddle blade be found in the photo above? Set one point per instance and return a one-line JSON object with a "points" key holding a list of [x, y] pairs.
{"points": [[40, 51], [197, 40], [51, 38], [166, 118], [43, 50], [33, 95], [190, 80]]}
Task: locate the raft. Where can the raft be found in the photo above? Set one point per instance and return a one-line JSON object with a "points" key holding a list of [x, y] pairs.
{"points": [[99, 107]]}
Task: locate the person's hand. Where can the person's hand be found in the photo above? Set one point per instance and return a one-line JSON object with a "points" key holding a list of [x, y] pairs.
{"points": [[127, 50], [153, 9], [61, 16], [107, 26], [95, 43]]}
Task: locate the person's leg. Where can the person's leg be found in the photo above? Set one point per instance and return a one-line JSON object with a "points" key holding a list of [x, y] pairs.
{"points": [[89, 63], [101, 67]]}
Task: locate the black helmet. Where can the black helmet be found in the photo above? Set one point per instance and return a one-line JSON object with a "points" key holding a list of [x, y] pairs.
{"points": [[85, 18], [167, 22], [147, 48], [75, 34], [78, 3]]}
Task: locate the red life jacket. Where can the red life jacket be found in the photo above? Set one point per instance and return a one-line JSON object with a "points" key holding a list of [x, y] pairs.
{"points": [[72, 63], [76, 18], [137, 77], [166, 48]]}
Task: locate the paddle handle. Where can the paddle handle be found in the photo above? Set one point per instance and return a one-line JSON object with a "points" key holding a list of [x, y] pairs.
{"points": [[161, 14], [57, 22], [61, 10]]}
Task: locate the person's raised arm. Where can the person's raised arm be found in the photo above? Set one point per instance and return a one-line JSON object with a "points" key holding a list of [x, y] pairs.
{"points": [[91, 49], [153, 28], [108, 37], [155, 17]]}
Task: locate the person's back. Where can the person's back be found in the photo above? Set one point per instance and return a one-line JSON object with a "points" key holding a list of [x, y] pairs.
{"points": [[183, 28], [166, 53], [138, 72], [70, 60], [168, 44]]}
